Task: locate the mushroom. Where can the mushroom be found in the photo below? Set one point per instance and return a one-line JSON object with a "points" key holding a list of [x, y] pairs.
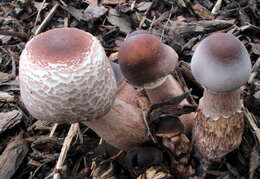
{"points": [[65, 77], [147, 63], [127, 93], [221, 64]]}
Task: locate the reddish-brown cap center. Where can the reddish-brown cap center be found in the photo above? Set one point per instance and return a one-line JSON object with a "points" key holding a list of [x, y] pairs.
{"points": [[60, 46], [223, 46], [138, 51]]}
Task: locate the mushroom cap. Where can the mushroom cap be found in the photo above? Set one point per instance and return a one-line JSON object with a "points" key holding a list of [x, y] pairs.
{"points": [[65, 76], [221, 63], [144, 59]]}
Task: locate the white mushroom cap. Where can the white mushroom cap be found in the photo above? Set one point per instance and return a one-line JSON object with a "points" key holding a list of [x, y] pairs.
{"points": [[65, 77], [221, 63]]}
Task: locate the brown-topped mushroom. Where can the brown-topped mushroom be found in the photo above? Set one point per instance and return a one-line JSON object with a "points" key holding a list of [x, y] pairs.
{"points": [[147, 63], [221, 64], [127, 93], [65, 77]]}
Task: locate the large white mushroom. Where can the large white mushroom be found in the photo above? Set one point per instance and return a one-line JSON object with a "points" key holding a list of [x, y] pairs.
{"points": [[65, 77]]}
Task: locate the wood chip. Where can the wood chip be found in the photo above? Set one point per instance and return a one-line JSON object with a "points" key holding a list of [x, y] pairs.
{"points": [[112, 1], [252, 122], [143, 6], [12, 157], [4, 77], [200, 27], [254, 161], [155, 173], [6, 97], [9, 120], [202, 12]]}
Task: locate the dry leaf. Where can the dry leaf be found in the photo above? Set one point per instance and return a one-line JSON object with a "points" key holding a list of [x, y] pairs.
{"points": [[94, 12], [120, 21]]}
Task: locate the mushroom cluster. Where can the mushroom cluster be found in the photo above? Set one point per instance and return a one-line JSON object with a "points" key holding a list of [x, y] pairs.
{"points": [[65, 76], [221, 64]]}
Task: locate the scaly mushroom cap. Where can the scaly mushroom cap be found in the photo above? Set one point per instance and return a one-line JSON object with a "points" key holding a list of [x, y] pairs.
{"points": [[65, 76], [144, 59], [221, 63]]}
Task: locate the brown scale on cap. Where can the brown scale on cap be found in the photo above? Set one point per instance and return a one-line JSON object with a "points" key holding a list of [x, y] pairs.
{"points": [[144, 59], [62, 45]]}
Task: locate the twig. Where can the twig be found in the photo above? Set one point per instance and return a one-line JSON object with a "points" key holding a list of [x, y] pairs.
{"points": [[255, 130], [65, 147], [133, 5], [216, 7], [13, 67], [170, 15], [149, 133], [47, 19], [254, 71], [21, 35], [66, 21], [151, 26], [38, 13], [144, 18], [54, 127], [12, 55]]}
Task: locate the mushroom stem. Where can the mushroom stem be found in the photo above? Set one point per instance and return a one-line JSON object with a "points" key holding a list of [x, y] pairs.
{"points": [[218, 125], [170, 87], [122, 127], [128, 94], [215, 105]]}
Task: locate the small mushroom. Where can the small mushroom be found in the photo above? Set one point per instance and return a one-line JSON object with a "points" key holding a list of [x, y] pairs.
{"points": [[127, 93], [221, 64], [65, 77], [147, 63]]}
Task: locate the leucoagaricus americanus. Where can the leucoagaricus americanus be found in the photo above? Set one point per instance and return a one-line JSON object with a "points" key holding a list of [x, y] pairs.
{"points": [[127, 93], [221, 64], [147, 63], [65, 76]]}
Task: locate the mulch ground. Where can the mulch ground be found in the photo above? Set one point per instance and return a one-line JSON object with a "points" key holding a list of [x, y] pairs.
{"points": [[30, 148]]}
